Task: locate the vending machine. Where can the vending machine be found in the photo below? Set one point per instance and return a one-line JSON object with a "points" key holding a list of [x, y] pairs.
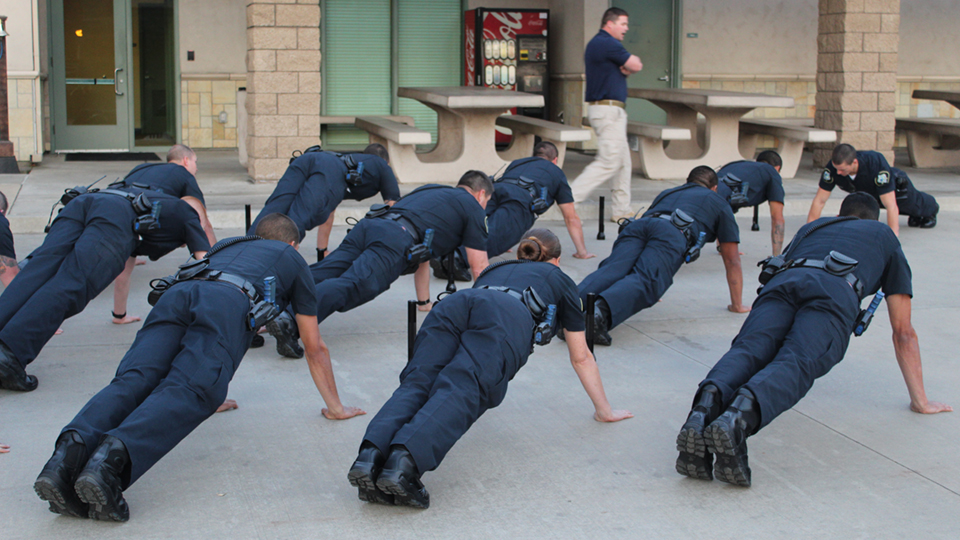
{"points": [[507, 49]]}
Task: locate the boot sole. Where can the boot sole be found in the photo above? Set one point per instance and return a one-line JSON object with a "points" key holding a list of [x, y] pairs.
{"points": [[49, 490], [729, 467], [361, 477], [694, 460], [101, 507], [403, 491], [284, 348]]}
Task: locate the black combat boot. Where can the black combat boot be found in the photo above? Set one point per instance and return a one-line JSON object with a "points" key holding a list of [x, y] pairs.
{"points": [[401, 479], [12, 374], [928, 222], [601, 323], [439, 268], [727, 438], [694, 460], [100, 484], [55, 483], [284, 329], [364, 473]]}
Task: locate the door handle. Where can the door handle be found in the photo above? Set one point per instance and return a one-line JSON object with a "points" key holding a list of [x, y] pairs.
{"points": [[665, 78], [116, 89]]}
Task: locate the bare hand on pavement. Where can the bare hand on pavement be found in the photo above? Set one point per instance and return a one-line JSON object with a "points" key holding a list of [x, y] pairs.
{"points": [[583, 256], [347, 412], [227, 405], [615, 416], [741, 309], [127, 319], [932, 407]]}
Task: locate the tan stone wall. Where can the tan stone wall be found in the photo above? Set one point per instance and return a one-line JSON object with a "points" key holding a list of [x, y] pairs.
{"points": [[22, 103], [202, 99]]}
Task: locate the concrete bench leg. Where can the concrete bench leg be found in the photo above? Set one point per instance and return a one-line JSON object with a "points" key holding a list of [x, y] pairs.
{"points": [[924, 153], [790, 150], [521, 146], [403, 159], [652, 161], [748, 145]]}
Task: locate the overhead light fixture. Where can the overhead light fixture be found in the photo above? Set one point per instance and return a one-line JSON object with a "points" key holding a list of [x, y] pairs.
{"points": [[3, 30], [79, 33]]}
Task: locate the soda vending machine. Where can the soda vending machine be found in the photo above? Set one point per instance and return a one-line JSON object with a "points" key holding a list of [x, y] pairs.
{"points": [[507, 49]]}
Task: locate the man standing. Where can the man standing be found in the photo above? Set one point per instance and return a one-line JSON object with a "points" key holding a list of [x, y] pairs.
{"points": [[798, 330], [869, 172], [750, 183], [607, 65]]}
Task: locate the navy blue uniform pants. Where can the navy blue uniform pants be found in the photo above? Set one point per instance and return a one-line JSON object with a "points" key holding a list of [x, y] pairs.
{"points": [[85, 250], [639, 270], [308, 207], [469, 347], [916, 203], [366, 263], [174, 376], [506, 225], [798, 329]]}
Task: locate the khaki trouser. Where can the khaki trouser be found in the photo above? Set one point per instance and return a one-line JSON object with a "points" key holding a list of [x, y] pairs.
{"points": [[612, 161]]}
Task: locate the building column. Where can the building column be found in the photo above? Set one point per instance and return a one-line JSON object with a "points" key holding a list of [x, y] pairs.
{"points": [[283, 83], [857, 74]]}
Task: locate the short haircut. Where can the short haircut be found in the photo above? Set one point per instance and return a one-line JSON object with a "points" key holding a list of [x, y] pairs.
{"points": [[546, 150], [178, 152], [612, 14], [476, 181], [539, 245], [843, 154], [3, 203], [770, 158], [861, 205], [377, 149], [703, 175], [278, 226]]}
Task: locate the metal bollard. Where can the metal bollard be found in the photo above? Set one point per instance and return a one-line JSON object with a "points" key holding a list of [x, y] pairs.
{"points": [[246, 217], [591, 302], [756, 218], [451, 284], [411, 327], [600, 234]]}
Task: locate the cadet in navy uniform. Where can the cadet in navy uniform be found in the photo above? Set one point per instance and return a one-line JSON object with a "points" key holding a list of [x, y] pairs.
{"points": [[466, 352], [177, 371], [86, 248], [375, 252], [175, 177], [798, 330], [869, 172], [650, 250], [763, 182], [316, 182], [515, 206], [8, 256]]}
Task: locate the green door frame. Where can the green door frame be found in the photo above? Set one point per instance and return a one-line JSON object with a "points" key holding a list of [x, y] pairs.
{"points": [[57, 85]]}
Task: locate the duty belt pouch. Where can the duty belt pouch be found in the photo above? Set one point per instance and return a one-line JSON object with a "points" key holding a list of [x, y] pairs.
{"points": [[901, 184], [771, 267], [377, 210], [354, 170], [419, 253], [838, 264], [738, 191]]}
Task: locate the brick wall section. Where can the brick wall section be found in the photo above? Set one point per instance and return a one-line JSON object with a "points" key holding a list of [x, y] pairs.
{"points": [[283, 82], [202, 101], [857, 73]]}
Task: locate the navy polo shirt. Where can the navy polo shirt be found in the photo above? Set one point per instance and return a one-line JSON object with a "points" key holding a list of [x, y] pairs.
{"points": [[711, 212], [6, 239], [882, 264], [377, 177], [763, 181], [454, 215], [179, 224], [169, 178], [874, 176], [258, 259], [544, 174], [602, 61], [552, 286]]}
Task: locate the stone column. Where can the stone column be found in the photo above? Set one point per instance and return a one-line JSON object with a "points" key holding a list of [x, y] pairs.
{"points": [[283, 83], [857, 74]]}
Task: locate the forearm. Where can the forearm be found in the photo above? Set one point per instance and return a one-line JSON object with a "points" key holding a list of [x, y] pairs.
{"points": [[8, 270], [730, 251], [907, 347], [323, 232], [421, 281], [893, 219], [321, 370], [776, 236], [575, 228], [589, 375], [816, 207], [121, 287]]}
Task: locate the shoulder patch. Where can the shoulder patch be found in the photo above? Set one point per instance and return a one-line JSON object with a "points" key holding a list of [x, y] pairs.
{"points": [[826, 177], [883, 178]]}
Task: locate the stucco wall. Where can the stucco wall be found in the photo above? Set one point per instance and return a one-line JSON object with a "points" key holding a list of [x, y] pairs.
{"points": [[216, 30], [929, 41]]}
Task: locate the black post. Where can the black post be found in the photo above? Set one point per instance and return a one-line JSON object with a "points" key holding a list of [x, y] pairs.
{"points": [[411, 327], [600, 235], [591, 302], [451, 284], [246, 217], [756, 218]]}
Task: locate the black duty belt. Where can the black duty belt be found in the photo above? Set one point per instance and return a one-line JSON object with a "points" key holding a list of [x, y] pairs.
{"points": [[216, 275], [405, 224], [522, 183], [821, 264], [516, 294]]}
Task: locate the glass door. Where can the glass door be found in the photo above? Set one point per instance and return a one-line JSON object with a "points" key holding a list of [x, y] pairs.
{"points": [[89, 75]]}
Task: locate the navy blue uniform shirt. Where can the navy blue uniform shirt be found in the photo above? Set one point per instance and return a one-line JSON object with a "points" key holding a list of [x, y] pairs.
{"points": [[874, 176], [258, 259], [711, 211], [6, 239], [169, 178], [454, 215], [882, 264], [602, 61], [179, 224], [763, 181], [552, 286], [544, 175], [377, 177]]}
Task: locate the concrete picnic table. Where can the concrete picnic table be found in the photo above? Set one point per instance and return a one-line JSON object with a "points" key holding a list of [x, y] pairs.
{"points": [[933, 142], [950, 96], [466, 128], [718, 144]]}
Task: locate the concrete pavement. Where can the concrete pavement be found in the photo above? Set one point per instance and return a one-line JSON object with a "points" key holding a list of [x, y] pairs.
{"points": [[849, 461]]}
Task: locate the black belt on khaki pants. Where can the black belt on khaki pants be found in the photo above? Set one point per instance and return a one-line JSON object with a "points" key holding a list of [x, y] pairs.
{"points": [[612, 102]]}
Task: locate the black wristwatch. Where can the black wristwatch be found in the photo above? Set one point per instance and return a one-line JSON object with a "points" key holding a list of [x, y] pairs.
{"points": [[423, 302]]}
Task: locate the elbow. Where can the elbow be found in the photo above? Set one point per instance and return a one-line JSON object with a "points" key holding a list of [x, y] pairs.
{"points": [[904, 336]]}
